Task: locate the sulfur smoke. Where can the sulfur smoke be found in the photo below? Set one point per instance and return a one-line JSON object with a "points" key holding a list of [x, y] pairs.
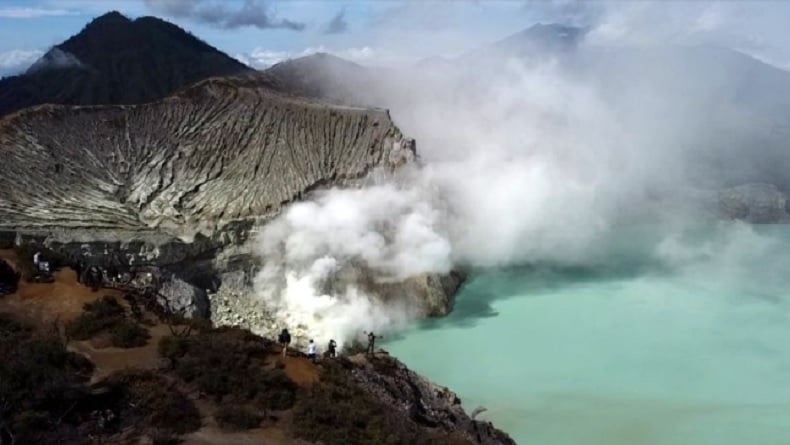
{"points": [[323, 255], [524, 160]]}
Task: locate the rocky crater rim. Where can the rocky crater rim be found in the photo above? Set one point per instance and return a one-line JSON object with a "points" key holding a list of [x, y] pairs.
{"points": [[221, 151]]}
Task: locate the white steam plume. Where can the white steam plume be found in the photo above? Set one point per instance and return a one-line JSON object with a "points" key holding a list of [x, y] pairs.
{"points": [[319, 254], [540, 160]]}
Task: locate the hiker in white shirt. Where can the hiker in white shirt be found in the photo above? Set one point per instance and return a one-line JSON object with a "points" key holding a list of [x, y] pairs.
{"points": [[311, 351]]}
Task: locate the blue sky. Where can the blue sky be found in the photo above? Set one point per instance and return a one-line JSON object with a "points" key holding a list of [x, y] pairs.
{"points": [[386, 32], [375, 30]]}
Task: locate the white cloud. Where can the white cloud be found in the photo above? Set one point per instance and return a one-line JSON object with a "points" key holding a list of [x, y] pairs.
{"points": [[29, 13], [17, 60], [754, 28], [263, 58]]}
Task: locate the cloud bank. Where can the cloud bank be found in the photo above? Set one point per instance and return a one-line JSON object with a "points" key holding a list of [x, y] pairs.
{"points": [[338, 24], [17, 61], [252, 13], [262, 58], [29, 13], [535, 160]]}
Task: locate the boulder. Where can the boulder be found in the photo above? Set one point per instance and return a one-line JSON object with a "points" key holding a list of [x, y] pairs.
{"points": [[755, 203], [180, 297]]}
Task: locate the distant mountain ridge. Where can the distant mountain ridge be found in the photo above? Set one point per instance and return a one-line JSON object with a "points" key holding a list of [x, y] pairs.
{"points": [[116, 60]]}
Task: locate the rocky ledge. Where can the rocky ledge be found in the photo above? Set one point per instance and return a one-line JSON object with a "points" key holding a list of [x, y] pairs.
{"points": [[757, 203], [409, 394]]}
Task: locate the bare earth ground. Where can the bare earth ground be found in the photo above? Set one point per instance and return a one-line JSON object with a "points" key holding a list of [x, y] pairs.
{"points": [[43, 303]]}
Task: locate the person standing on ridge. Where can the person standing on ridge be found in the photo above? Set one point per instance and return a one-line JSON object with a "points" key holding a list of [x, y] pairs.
{"points": [[332, 349], [285, 340], [372, 343], [311, 351]]}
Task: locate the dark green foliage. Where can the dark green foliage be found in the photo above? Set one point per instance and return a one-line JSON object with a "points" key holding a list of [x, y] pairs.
{"points": [[105, 307], [127, 334], [11, 328], [123, 62], [173, 347], [229, 363], [9, 279], [41, 387], [233, 417], [153, 402], [276, 390], [107, 315]]}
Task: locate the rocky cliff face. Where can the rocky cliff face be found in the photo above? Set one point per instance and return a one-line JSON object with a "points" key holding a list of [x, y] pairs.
{"points": [[411, 395], [180, 184], [222, 151]]}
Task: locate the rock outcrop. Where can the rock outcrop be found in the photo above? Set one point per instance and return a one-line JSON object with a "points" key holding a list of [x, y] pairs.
{"points": [[431, 405], [755, 203]]}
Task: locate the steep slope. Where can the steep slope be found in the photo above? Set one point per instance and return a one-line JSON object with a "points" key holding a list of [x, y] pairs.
{"points": [[539, 39], [115, 60], [223, 150], [323, 76]]}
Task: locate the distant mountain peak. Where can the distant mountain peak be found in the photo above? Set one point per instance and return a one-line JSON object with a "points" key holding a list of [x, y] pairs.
{"points": [[534, 40], [110, 17], [121, 61], [550, 35]]}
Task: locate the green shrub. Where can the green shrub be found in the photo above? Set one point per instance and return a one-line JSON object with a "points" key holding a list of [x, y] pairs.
{"points": [[276, 390], [11, 328], [105, 307], [153, 401], [107, 315], [40, 383], [231, 417], [215, 382], [127, 334], [173, 347], [85, 326], [229, 362], [97, 316]]}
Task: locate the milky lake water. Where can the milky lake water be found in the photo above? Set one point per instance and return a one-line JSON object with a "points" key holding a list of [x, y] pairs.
{"points": [[679, 339]]}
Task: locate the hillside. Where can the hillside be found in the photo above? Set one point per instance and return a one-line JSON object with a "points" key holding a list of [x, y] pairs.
{"points": [[115, 60], [70, 377], [324, 76]]}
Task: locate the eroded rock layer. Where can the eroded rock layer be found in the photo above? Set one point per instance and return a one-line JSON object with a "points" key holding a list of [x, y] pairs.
{"points": [[223, 150]]}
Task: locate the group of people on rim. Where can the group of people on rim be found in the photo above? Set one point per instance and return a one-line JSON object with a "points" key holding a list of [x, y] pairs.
{"points": [[331, 350]]}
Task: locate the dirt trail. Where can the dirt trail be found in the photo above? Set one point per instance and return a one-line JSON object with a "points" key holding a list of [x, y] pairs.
{"points": [[109, 359], [299, 369]]}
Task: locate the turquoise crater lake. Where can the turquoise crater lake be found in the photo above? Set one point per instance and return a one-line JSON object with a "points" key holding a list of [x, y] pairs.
{"points": [[666, 337]]}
